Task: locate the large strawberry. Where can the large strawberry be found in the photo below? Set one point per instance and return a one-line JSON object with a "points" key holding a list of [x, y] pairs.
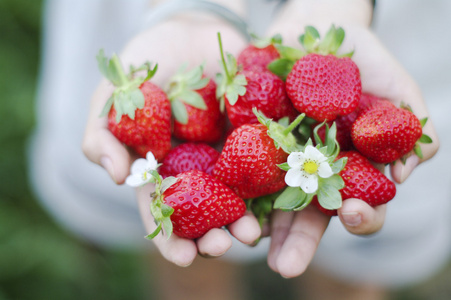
{"points": [[249, 161], [192, 203], [362, 181], [197, 117], [344, 123], [242, 90], [321, 83], [258, 54], [189, 156], [139, 113], [387, 133]]}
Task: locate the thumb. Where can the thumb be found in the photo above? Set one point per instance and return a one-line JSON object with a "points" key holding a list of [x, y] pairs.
{"points": [[99, 144]]}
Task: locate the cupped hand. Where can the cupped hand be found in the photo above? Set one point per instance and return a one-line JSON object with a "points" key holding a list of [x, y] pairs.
{"points": [[295, 236], [190, 39]]}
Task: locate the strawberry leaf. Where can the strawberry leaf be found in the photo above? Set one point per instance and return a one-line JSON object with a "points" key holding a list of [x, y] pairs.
{"points": [[182, 89], [167, 227], [290, 198], [167, 182], [425, 139], [154, 233], [423, 122], [329, 197], [310, 39], [193, 98], [127, 97], [179, 111], [281, 67], [417, 151], [262, 42], [284, 166], [338, 165]]}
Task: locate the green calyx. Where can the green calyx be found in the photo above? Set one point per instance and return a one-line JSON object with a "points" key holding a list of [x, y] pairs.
{"points": [[281, 132], [424, 138], [161, 212], [263, 42], [329, 197], [311, 43], [127, 97], [230, 83], [182, 88]]}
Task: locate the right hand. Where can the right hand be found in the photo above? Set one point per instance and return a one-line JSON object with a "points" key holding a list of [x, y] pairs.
{"points": [[188, 39]]}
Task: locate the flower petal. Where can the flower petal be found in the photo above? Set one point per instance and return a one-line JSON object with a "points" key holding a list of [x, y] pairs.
{"points": [[310, 184], [296, 159], [139, 166], [294, 177], [324, 170], [135, 180], [151, 161], [313, 154]]}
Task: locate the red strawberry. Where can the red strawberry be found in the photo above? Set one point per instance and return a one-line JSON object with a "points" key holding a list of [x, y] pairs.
{"points": [[369, 101], [259, 54], [320, 83], [139, 113], [385, 134], [189, 156], [344, 123], [324, 86], [248, 162], [362, 181], [194, 203], [242, 90], [264, 91], [195, 107]]}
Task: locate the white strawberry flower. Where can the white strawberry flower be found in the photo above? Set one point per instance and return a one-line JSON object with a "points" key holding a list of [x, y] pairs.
{"points": [[140, 171], [305, 169]]}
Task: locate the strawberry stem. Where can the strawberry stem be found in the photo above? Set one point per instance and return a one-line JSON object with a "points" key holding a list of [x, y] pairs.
{"points": [[293, 124], [123, 79], [229, 78]]}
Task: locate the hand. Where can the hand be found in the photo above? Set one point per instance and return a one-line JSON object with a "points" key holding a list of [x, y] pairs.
{"points": [[295, 235], [191, 38]]}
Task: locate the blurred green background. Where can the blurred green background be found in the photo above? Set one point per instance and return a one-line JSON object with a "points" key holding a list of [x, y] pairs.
{"points": [[38, 259]]}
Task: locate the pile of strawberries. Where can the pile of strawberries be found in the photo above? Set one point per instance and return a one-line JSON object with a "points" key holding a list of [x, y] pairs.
{"points": [[268, 113]]}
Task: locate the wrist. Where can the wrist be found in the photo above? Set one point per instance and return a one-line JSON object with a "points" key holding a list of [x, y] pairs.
{"points": [[323, 13], [205, 12]]}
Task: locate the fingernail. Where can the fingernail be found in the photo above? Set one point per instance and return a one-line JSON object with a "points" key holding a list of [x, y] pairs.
{"points": [[107, 164], [352, 218]]}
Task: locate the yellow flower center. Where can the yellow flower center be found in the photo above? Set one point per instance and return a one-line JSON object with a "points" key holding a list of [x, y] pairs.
{"points": [[310, 167]]}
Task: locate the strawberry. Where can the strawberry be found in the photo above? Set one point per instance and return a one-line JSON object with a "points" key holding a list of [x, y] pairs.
{"points": [[139, 113], [248, 163], [197, 117], [264, 91], [344, 123], [362, 181], [189, 156], [192, 203], [385, 134], [321, 84], [242, 90], [370, 101], [258, 54]]}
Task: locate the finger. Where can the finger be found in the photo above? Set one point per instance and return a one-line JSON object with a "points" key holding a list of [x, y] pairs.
{"points": [[280, 226], [246, 229], [179, 251], [360, 218], [99, 145], [214, 243], [301, 242]]}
